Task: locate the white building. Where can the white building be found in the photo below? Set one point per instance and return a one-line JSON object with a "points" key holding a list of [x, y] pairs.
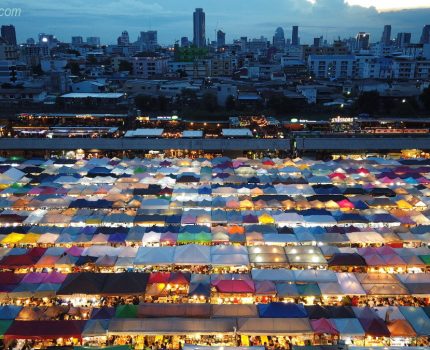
{"points": [[331, 66], [148, 67]]}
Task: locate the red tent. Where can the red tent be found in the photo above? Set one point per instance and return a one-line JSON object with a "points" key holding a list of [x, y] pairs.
{"points": [[45, 330], [323, 326], [234, 286], [159, 277]]}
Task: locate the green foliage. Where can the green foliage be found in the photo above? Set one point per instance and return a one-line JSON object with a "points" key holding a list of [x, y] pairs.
{"points": [[425, 99], [125, 66], [368, 102]]}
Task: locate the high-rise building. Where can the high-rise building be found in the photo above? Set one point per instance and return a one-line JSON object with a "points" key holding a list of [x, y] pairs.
{"points": [[199, 26], [8, 34], [295, 41], [185, 42], [362, 41], [149, 39], [279, 39], [124, 39], [318, 42], [77, 40], [403, 39], [220, 38], [386, 35], [425, 36], [93, 40]]}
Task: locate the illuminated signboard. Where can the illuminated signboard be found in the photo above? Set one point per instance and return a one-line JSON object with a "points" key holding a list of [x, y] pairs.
{"points": [[339, 119]]}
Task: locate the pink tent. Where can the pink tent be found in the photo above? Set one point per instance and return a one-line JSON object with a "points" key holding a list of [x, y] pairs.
{"points": [[75, 251], [374, 260], [234, 286], [34, 277], [345, 204], [55, 277], [323, 326]]}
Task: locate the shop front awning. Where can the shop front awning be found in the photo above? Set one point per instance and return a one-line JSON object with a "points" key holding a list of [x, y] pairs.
{"points": [[172, 326], [273, 326]]}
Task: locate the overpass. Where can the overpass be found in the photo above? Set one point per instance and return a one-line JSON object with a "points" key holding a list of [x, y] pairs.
{"points": [[301, 144]]}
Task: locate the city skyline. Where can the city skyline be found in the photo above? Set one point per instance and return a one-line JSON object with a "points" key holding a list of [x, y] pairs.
{"points": [[314, 18]]}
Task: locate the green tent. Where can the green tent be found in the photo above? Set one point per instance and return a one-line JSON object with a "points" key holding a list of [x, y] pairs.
{"points": [[203, 237], [4, 326], [126, 311], [140, 170], [186, 237], [309, 289], [425, 259]]}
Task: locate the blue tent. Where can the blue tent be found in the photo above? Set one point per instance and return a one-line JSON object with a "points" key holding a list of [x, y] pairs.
{"points": [[282, 310], [9, 312]]}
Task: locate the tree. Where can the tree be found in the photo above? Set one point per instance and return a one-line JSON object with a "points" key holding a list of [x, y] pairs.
{"points": [[125, 66], [74, 67], [425, 99], [37, 70], [230, 103], [368, 102], [144, 102], [209, 102], [281, 104]]}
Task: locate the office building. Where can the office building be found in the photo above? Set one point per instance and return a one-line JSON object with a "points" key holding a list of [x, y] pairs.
{"points": [[295, 36], [362, 41], [185, 42], [149, 40], [77, 40], [8, 34], [124, 39], [199, 26], [93, 40], [279, 39], [220, 38], [403, 39], [425, 36], [386, 35]]}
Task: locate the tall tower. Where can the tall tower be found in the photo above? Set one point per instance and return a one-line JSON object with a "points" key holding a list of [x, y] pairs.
{"points": [[199, 24], [220, 38], [386, 35], [8, 33], [425, 36], [295, 36]]}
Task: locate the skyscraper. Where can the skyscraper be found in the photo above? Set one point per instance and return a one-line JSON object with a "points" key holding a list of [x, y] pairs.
{"points": [[386, 35], [220, 38], [199, 24], [425, 36], [185, 42], [77, 40], [124, 39], [149, 39], [362, 41], [403, 39], [295, 36], [8, 34], [93, 40], [279, 39]]}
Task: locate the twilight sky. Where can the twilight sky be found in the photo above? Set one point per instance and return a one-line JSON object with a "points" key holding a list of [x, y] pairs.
{"points": [[252, 18]]}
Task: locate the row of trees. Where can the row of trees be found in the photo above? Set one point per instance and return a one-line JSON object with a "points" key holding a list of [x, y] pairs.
{"points": [[371, 102], [188, 101]]}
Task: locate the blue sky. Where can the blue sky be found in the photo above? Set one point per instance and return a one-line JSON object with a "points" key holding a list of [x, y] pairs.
{"points": [[252, 18]]}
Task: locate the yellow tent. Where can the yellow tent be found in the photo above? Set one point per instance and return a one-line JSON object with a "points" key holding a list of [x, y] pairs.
{"points": [[30, 238], [12, 238], [402, 204], [266, 219]]}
